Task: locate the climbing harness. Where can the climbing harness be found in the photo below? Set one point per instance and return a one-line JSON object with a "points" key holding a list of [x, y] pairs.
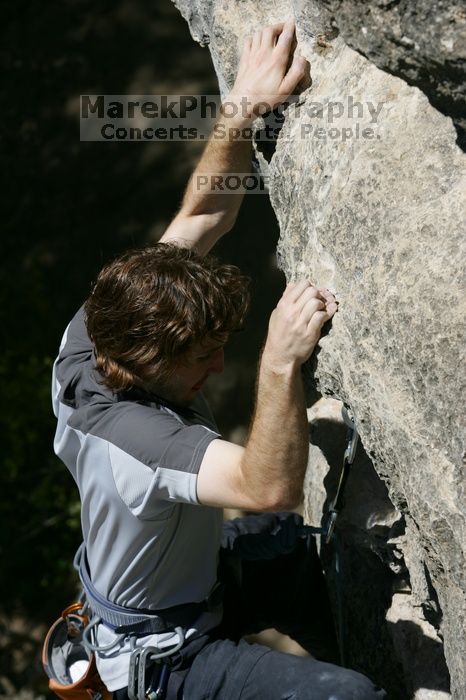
{"points": [[68, 643], [328, 532], [72, 639]]}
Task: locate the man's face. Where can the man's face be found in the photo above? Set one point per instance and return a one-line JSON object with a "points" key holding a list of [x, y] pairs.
{"points": [[190, 375]]}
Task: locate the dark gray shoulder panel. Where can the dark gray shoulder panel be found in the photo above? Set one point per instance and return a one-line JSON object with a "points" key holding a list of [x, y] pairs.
{"points": [[147, 433], [75, 367]]}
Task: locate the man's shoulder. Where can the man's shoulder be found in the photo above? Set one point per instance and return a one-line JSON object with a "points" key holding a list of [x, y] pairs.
{"points": [[141, 430], [74, 363], [75, 338], [118, 418]]}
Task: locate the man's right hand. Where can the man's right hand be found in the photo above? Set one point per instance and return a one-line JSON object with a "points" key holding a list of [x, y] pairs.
{"points": [[296, 323], [268, 473]]}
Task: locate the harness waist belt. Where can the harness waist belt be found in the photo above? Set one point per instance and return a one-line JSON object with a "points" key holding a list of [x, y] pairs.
{"points": [[123, 620]]}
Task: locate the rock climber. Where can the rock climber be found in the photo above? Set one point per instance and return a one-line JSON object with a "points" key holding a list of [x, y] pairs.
{"points": [[153, 471]]}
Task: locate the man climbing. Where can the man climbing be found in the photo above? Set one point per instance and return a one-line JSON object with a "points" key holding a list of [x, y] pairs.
{"points": [[152, 470]]}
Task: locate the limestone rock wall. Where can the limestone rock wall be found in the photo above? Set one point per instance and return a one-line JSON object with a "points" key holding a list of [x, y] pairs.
{"points": [[381, 221], [421, 41]]}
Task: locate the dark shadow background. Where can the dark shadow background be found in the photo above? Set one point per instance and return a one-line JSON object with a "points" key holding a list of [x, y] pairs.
{"points": [[67, 208]]}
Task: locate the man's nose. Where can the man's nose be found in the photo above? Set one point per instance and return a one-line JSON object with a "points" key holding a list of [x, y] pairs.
{"points": [[218, 362]]}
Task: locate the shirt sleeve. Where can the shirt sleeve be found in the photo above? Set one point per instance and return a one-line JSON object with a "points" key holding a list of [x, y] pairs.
{"points": [[155, 460]]}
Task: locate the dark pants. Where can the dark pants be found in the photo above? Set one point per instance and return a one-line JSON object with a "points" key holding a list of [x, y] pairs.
{"points": [[284, 588]]}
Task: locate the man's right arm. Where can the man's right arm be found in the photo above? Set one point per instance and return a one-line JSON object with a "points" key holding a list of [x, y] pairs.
{"points": [[268, 473]]}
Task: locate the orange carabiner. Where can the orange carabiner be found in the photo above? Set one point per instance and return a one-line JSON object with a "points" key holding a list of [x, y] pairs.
{"points": [[75, 622], [72, 608]]}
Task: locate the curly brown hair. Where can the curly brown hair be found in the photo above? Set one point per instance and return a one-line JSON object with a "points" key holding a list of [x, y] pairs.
{"points": [[148, 307]]}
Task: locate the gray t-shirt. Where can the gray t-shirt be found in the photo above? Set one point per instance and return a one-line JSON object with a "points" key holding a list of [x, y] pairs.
{"points": [[135, 460]]}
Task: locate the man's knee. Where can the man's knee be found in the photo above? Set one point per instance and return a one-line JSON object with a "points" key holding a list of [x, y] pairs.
{"points": [[337, 683]]}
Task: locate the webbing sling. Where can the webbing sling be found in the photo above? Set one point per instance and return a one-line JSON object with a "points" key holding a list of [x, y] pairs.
{"points": [[123, 620]]}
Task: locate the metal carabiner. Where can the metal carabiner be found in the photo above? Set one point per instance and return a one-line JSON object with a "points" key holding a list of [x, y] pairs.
{"points": [[348, 459], [351, 446], [140, 660]]}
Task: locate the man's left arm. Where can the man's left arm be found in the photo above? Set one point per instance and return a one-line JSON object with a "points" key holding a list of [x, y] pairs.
{"points": [[265, 77]]}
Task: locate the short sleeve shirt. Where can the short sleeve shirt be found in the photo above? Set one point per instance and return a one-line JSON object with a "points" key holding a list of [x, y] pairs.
{"points": [[135, 460]]}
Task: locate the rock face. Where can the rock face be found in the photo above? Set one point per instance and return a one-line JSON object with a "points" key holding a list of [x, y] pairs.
{"points": [[369, 188], [422, 41]]}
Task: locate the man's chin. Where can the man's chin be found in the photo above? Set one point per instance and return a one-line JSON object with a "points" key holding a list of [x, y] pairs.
{"points": [[186, 400], [181, 399], [194, 392]]}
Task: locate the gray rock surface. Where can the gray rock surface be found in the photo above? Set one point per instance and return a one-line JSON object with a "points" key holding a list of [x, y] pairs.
{"points": [[379, 219], [421, 41], [385, 622]]}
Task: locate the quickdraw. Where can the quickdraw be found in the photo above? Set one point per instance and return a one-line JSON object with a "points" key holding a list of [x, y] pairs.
{"points": [[156, 662], [327, 531]]}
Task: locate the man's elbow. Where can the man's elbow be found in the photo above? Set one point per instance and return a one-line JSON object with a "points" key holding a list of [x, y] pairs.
{"points": [[282, 499], [218, 223], [267, 491], [227, 224]]}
